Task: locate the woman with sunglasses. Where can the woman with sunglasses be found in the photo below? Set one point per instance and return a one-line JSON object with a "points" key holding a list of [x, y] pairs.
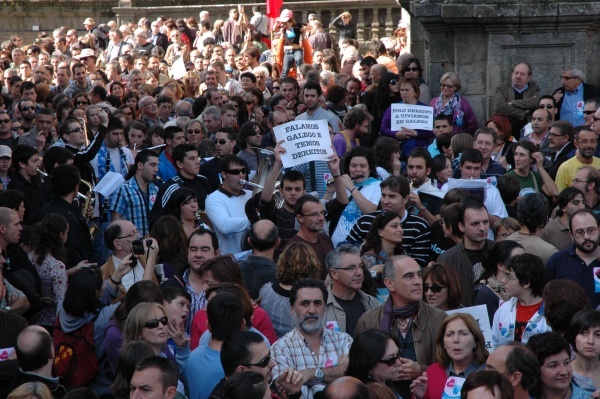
{"points": [[382, 242], [81, 100], [460, 349], [411, 69], [148, 322], [441, 287], [388, 93], [493, 293], [410, 138], [451, 103], [251, 135], [374, 357]]}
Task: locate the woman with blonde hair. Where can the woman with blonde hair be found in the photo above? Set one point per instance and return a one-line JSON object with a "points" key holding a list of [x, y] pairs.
{"points": [[297, 261], [191, 83], [148, 322], [460, 349], [453, 104], [145, 89], [31, 390], [218, 32], [175, 88]]}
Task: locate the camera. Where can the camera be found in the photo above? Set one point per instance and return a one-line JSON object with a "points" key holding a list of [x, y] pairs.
{"points": [[137, 246]]}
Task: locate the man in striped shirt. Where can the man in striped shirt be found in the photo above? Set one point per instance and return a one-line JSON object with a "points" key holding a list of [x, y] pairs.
{"points": [[416, 241]]}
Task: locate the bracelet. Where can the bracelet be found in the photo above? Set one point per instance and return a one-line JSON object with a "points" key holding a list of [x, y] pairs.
{"points": [[335, 176], [114, 282], [351, 191]]}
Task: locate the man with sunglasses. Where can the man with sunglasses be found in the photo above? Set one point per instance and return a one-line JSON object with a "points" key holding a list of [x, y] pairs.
{"points": [[7, 136], [27, 110], [225, 143], [571, 96], [80, 80], [226, 206], [346, 302], [518, 98]]}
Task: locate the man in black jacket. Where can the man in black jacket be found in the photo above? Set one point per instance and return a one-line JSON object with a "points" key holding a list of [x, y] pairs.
{"points": [[571, 96], [65, 183]]}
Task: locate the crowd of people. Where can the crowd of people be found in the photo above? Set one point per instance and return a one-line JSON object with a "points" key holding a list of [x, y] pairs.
{"points": [[152, 248]]}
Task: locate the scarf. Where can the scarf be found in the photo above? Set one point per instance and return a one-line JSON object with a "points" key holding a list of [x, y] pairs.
{"points": [[390, 312], [452, 108], [498, 288], [370, 180]]}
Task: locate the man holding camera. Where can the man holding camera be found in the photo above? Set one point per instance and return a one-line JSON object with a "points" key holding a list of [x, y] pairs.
{"points": [[123, 239]]}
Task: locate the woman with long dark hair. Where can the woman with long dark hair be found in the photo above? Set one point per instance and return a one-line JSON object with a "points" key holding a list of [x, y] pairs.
{"points": [[48, 255], [411, 69], [172, 241], [388, 93], [374, 358], [183, 205]]}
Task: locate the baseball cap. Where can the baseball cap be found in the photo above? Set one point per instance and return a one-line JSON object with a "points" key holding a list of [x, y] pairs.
{"points": [[285, 16], [5, 151]]}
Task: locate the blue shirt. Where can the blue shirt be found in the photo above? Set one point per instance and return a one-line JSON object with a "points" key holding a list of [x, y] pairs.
{"points": [[571, 109], [204, 372], [166, 169], [135, 205]]}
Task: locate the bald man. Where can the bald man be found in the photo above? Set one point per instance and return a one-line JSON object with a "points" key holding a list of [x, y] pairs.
{"points": [[36, 356], [517, 362], [346, 388], [259, 267]]}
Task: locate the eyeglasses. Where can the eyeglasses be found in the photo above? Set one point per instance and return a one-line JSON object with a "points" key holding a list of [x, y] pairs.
{"points": [[236, 171], [413, 69], [275, 88], [192, 131], [132, 234], [264, 362], [582, 232], [315, 214], [27, 109], [18, 127], [569, 77], [82, 103], [5, 121], [221, 141], [394, 81], [249, 102], [392, 360], [576, 180], [435, 288], [547, 106], [84, 59], [255, 133], [556, 135], [446, 86], [352, 268], [76, 130], [152, 324], [589, 112]]}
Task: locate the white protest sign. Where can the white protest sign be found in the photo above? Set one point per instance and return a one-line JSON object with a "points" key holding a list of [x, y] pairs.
{"points": [[480, 314], [412, 117], [304, 141], [178, 68]]}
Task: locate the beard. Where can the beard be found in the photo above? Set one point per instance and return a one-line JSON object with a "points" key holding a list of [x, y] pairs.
{"points": [[310, 324], [587, 250]]}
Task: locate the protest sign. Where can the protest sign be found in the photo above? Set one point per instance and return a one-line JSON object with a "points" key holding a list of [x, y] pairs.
{"points": [[304, 141], [480, 314], [412, 117]]}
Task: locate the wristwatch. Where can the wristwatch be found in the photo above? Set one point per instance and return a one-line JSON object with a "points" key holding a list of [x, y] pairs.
{"points": [[319, 374], [7, 309]]}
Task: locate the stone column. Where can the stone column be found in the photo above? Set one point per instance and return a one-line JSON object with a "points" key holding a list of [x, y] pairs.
{"points": [[375, 25], [389, 24], [360, 24]]}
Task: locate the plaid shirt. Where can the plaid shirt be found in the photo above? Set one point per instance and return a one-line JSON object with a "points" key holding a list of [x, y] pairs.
{"points": [[134, 205], [292, 351], [198, 301]]}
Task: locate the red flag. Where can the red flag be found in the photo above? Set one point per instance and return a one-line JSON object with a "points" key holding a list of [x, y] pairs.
{"points": [[273, 10]]}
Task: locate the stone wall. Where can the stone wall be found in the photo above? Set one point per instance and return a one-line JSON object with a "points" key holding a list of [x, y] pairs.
{"points": [[481, 40]]}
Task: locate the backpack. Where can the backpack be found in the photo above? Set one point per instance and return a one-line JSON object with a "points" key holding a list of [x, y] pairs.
{"points": [[75, 361]]}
